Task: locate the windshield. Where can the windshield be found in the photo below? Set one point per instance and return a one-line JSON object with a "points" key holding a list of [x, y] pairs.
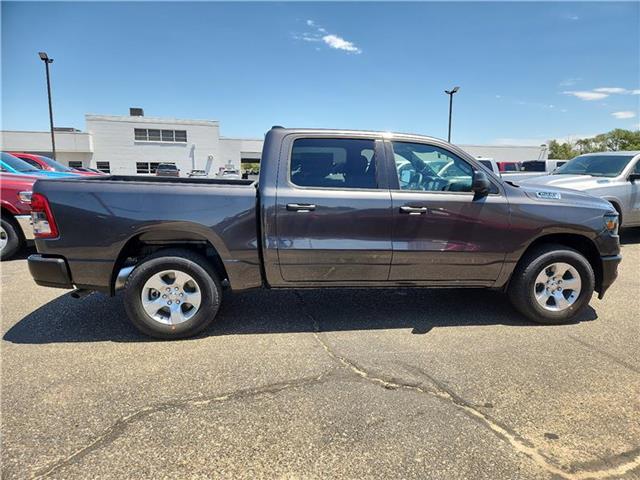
{"points": [[595, 165], [17, 164], [58, 167]]}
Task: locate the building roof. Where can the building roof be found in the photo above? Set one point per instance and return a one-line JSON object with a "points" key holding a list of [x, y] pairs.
{"points": [[141, 119]]}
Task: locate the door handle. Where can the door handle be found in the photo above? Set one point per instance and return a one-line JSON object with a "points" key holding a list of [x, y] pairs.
{"points": [[300, 207], [413, 210]]}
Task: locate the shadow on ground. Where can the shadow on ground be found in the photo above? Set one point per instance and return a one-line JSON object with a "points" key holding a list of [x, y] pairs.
{"points": [[100, 318], [630, 236]]}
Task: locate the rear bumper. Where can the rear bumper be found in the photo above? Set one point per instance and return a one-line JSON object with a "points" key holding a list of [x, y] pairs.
{"points": [[25, 225], [609, 272], [50, 271]]}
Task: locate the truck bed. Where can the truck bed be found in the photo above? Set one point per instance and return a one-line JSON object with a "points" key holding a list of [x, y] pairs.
{"points": [[100, 217], [154, 179]]}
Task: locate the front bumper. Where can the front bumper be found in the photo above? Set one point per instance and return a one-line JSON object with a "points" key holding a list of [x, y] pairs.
{"points": [[50, 271], [26, 226], [609, 272]]}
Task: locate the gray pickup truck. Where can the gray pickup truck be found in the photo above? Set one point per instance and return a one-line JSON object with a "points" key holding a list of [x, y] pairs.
{"points": [[332, 208]]}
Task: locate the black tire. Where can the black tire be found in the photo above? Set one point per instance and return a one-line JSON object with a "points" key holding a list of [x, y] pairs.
{"points": [[522, 286], [186, 261], [11, 232]]}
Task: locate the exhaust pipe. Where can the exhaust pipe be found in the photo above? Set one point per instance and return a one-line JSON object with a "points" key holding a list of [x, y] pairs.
{"points": [[80, 293]]}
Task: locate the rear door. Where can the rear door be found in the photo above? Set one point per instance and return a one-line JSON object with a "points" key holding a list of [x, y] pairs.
{"points": [[442, 232], [333, 211]]}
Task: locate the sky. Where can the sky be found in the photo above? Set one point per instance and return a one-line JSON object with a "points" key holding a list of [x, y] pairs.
{"points": [[527, 72]]}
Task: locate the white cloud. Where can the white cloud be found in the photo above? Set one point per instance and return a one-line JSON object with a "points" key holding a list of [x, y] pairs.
{"points": [[635, 92], [624, 115], [339, 43], [587, 95], [610, 90], [569, 82], [573, 17], [320, 34]]}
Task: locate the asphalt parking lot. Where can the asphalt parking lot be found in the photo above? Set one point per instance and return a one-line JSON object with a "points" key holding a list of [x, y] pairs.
{"points": [[439, 384]]}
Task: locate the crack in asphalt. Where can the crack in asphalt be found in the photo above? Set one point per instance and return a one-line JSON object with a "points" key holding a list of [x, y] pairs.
{"points": [[439, 391], [604, 353], [117, 428]]}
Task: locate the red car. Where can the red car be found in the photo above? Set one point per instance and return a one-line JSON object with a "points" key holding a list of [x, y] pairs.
{"points": [[15, 224], [45, 163]]}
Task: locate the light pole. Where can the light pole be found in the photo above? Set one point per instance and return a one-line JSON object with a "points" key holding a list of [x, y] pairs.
{"points": [[45, 58], [450, 93]]}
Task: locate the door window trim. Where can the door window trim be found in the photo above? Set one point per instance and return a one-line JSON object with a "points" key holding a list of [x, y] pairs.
{"points": [[394, 181], [379, 155]]}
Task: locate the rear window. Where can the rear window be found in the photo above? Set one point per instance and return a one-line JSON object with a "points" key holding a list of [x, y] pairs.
{"points": [[333, 163]]}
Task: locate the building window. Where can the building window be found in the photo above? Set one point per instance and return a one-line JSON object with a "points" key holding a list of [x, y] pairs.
{"points": [[140, 133], [146, 167], [167, 135], [103, 167], [153, 135], [75, 164]]}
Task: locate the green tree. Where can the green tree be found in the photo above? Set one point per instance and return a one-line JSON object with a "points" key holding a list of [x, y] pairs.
{"points": [[614, 140], [560, 151]]}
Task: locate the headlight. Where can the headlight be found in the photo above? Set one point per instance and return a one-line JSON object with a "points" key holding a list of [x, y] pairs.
{"points": [[611, 223], [25, 196]]}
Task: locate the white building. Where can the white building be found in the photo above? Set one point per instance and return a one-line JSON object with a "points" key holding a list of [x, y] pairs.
{"points": [[135, 144]]}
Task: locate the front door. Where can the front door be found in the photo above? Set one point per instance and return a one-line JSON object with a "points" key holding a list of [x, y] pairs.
{"points": [[333, 212], [442, 232]]}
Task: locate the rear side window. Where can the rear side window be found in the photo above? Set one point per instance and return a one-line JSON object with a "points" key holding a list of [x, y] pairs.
{"points": [[333, 163]]}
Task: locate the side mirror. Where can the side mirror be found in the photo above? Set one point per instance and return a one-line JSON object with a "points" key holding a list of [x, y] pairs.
{"points": [[633, 177], [481, 183]]}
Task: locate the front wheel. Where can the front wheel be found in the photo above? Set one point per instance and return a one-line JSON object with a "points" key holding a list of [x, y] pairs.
{"points": [[172, 294], [552, 284]]}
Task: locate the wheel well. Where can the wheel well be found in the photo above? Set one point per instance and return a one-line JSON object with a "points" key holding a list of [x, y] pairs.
{"points": [[578, 242], [141, 246], [618, 209]]}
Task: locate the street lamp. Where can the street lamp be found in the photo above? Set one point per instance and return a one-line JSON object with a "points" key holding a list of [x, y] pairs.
{"points": [[45, 58], [450, 93]]}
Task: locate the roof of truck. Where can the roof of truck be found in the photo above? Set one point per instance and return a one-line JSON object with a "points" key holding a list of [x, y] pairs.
{"points": [[354, 132]]}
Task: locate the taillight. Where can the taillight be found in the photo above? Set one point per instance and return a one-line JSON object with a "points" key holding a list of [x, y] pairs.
{"points": [[44, 225]]}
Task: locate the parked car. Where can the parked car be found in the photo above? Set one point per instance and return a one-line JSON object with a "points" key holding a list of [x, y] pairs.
{"points": [[167, 170], [45, 163], [11, 164], [331, 209], [230, 175], [15, 223], [613, 176], [197, 173]]}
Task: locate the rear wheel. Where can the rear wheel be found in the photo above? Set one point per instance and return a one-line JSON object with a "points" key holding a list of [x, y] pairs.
{"points": [[552, 284], [10, 238], [172, 294]]}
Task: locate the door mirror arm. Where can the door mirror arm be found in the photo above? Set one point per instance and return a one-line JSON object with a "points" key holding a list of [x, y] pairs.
{"points": [[633, 177], [480, 184]]}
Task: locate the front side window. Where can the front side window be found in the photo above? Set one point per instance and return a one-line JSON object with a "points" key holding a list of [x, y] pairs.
{"points": [[333, 163], [428, 168]]}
